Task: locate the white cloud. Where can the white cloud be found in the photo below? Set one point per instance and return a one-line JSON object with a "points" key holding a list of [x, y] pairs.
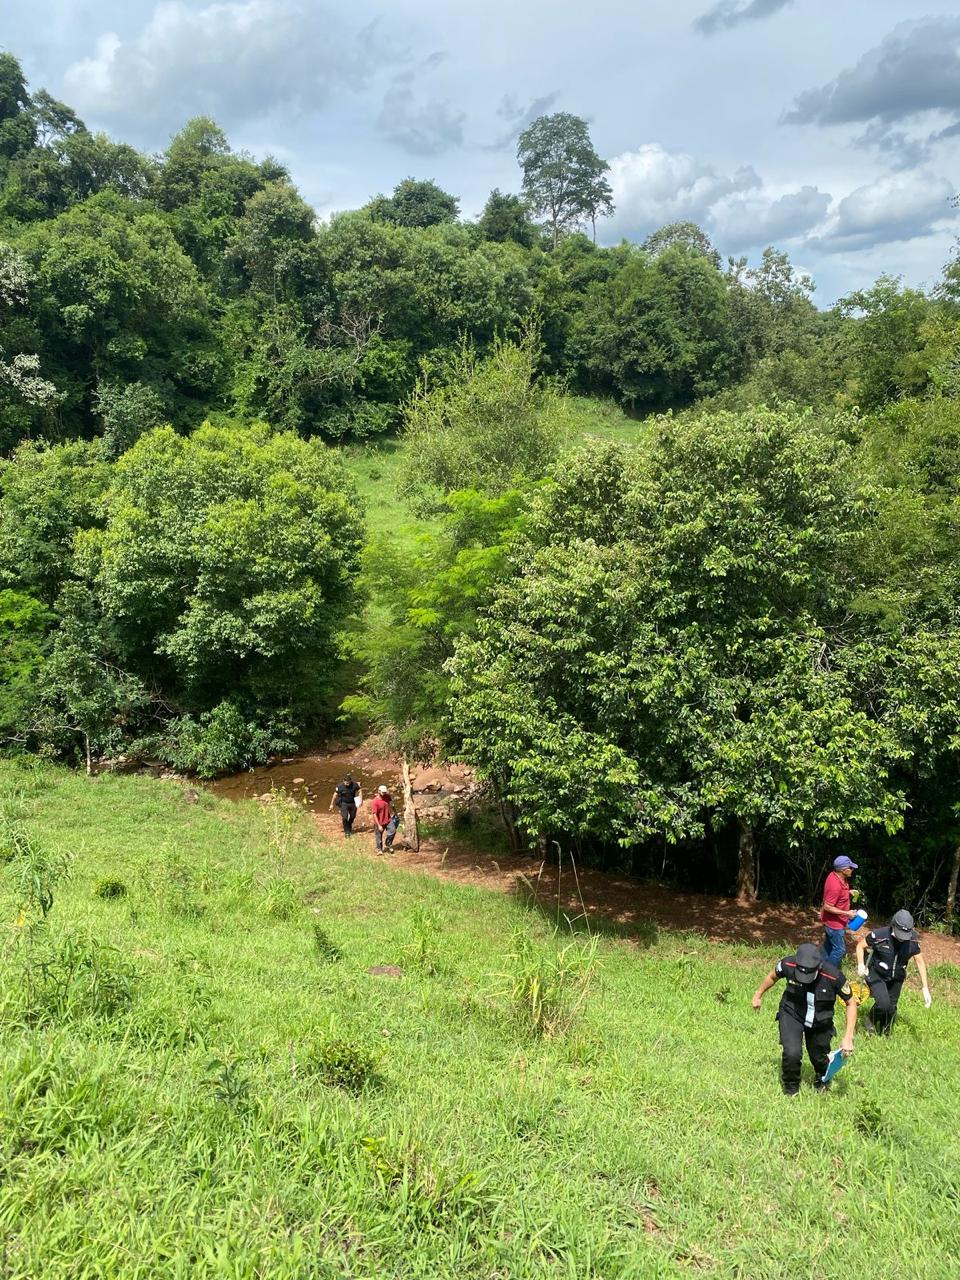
{"points": [[233, 59], [897, 207], [653, 186]]}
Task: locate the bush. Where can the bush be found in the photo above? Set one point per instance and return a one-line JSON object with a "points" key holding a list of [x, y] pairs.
{"points": [[75, 976], [110, 889], [343, 1064]]}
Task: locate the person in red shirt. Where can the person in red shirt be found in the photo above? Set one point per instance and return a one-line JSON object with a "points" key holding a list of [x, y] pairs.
{"points": [[384, 821], [837, 912]]}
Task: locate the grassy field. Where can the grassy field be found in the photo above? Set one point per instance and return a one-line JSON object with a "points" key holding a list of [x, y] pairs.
{"points": [[201, 1078], [378, 467]]}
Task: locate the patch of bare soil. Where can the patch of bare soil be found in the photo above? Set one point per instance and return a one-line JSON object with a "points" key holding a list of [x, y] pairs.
{"points": [[618, 901]]}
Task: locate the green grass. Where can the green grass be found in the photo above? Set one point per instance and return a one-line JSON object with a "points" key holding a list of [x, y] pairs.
{"points": [[377, 467], [220, 1090]]}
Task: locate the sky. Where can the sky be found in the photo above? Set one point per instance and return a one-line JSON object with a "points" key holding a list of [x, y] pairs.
{"points": [[830, 128]]}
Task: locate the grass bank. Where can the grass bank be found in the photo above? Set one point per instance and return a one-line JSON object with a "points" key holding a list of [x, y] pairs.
{"points": [[204, 1079]]}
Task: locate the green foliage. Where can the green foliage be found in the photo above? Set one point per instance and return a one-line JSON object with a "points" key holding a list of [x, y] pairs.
{"points": [[507, 217], [563, 177], [658, 333], [548, 989], [668, 652], [109, 888], [486, 424], [415, 203], [343, 1064]]}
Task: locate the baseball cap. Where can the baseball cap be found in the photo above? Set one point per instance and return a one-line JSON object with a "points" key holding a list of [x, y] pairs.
{"points": [[808, 962], [842, 862], [902, 926]]}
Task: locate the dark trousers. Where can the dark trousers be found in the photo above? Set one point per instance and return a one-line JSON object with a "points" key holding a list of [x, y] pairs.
{"points": [[792, 1035], [885, 998], [348, 813]]}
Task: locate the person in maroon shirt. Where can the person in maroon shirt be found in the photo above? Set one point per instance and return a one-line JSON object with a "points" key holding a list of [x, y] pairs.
{"points": [[384, 821], [837, 913]]}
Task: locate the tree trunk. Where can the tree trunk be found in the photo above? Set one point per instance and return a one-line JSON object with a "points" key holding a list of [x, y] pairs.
{"points": [[508, 816], [747, 862], [89, 755], [952, 888], [411, 832]]}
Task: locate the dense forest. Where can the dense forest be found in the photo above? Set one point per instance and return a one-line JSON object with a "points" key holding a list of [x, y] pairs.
{"points": [[722, 653]]}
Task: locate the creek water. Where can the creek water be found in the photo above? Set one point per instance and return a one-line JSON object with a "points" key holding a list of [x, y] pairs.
{"points": [[311, 779]]}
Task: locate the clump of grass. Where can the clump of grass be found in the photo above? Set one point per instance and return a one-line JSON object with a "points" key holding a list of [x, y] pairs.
{"points": [[73, 977], [422, 952], [181, 888], [868, 1119], [342, 1063], [547, 990], [323, 944], [282, 898], [110, 889], [428, 1194]]}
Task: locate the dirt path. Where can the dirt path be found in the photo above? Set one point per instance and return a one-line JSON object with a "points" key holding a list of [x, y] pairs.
{"points": [[616, 900]]}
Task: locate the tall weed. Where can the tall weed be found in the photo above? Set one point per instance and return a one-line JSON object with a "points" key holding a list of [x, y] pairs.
{"points": [[548, 989]]}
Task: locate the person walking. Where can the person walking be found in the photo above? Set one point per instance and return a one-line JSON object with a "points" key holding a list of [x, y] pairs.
{"points": [[384, 820], [836, 912], [347, 797], [891, 947], [814, 986]]}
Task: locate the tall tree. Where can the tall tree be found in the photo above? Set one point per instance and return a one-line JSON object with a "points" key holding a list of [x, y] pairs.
{"points": [[563, 177]]}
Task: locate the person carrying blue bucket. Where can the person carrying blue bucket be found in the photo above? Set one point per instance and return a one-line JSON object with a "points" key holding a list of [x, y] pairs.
{"points": [[836, 914]]}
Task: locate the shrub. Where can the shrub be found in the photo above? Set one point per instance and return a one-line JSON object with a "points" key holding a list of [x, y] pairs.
{"points": [[75, 976], [343, 1064], [110, 889]]}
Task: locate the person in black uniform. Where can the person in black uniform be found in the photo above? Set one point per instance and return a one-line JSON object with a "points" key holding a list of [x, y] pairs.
{"points": [[345, 798], [806, 1009], [890, 947]]}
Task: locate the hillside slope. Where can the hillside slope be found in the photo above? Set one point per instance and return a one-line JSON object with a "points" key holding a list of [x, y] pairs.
{"points": [[172, 1097]]}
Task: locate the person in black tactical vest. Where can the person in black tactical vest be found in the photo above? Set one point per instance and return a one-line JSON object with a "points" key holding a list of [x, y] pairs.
{"points": [[345, 798], [891, 948], [806, 1010]]}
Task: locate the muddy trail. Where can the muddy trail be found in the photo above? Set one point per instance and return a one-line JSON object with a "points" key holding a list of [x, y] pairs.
{"points": [[614, 903]]}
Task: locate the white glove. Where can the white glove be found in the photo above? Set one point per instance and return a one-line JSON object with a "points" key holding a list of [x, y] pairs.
{"points": [[861, 970], [927, 997]]}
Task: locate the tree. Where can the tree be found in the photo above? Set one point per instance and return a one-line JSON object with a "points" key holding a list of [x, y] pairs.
{"points": [[227, 563], [21, 372], [486, 424], [416, 203], [658, 333], [670, 655], [507, 217], [563, 177], [685, 235]]}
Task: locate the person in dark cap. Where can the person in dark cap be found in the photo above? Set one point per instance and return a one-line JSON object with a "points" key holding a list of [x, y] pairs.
{"points": [[814, 986], [891, 947], [345, 798], [837, 913]]}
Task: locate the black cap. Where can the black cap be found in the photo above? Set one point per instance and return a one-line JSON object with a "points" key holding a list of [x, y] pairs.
{"points": [[902, 926], [808, 962]]}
